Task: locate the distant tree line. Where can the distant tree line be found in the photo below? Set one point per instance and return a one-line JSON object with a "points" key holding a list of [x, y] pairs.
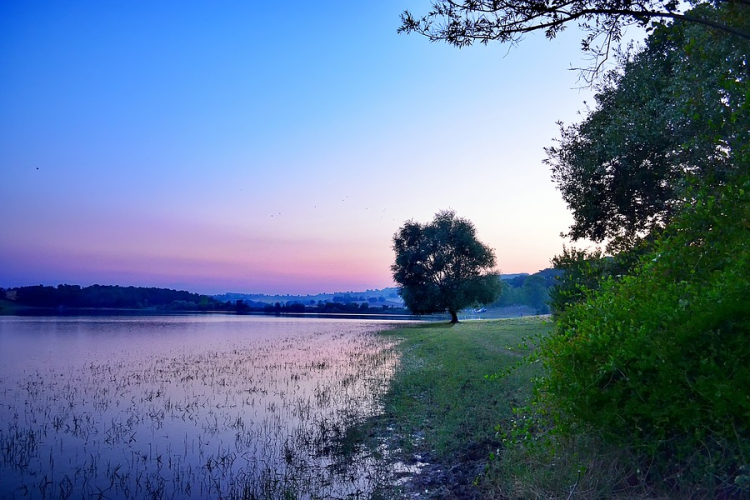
{"points": [[322, 307], [110, 296], [76, 297], [525, 290], [348, 298]]}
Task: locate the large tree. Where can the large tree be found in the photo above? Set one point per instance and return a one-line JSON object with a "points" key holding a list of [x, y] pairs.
{"points": [[676, 113], [442, 266]]}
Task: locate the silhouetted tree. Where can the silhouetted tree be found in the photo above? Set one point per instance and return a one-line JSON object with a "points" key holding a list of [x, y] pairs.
{"points": [[441, 266]]}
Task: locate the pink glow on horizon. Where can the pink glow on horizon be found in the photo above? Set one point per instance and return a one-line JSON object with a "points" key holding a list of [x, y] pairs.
{"points": [[206, 260], [101, 247], [200, 153], [200, 276]]}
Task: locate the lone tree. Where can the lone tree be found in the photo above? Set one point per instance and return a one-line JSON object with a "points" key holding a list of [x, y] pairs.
{"points": [[441, 266]]}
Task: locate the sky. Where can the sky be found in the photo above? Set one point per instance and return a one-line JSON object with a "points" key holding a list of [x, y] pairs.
{"points": [[265, 147]]}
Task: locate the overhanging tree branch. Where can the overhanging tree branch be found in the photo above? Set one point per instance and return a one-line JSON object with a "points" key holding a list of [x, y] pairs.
{"points": [[463, 23]]}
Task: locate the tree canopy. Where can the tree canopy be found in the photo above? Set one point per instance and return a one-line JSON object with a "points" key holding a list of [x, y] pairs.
{"points": [[676, 113], [442, 266], [658, 359]]}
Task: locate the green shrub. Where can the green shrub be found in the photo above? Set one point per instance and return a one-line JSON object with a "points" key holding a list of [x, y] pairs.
{"points": [[660, 360]]}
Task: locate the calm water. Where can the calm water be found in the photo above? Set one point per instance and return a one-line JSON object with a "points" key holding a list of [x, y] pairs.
{"points": [[187, 406]]}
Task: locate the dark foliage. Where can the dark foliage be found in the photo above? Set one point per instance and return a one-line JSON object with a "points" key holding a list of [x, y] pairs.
{"points": [[675, 114], [658, 359], [532, 290], [583, 272], [101, 296], [441, 266]]}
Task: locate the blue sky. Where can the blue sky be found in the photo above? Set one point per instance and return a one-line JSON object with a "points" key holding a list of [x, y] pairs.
{"points": [[265, 147]]}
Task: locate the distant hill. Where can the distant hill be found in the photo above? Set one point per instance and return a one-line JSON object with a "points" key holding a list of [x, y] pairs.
{"points": [[517, 280], [509, 277], [385, 296], [380, 297]]}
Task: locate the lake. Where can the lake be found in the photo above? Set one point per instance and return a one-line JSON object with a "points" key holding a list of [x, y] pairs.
{"points": [[188, 406]]}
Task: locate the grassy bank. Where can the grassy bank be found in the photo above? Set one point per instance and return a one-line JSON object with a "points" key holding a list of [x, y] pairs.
{"points": [[445, 424], [441, 411]]}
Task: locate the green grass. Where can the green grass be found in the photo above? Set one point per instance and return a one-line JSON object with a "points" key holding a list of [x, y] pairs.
{"points": [[440, 392], [442, 407]]}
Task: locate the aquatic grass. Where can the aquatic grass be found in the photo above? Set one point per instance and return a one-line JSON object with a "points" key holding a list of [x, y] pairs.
{"points": [[258, 419]]}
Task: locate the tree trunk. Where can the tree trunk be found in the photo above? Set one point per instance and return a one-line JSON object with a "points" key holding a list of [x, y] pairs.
{"points": [[454, 317]]}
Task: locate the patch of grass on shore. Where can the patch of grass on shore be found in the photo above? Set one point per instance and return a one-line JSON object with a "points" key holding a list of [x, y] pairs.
{"points": [[443, 411], [440, 392], [441, 408]]}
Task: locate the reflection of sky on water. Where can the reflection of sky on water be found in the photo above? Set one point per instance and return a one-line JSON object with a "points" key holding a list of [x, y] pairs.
{"points": [[29, 342], [181, 403]]}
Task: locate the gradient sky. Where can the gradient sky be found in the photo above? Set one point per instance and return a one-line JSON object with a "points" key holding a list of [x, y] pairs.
{"points": [[265, 147]]}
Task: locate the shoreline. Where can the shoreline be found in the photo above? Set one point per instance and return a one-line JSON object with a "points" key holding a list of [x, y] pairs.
{"points": [[437, 432], [26, 311]]}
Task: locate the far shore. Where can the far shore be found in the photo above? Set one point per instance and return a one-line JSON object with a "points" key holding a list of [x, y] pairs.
{"points": [[9, 309]]}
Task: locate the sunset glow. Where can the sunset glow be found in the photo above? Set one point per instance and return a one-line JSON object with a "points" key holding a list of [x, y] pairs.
{"points": [[264, 148]]}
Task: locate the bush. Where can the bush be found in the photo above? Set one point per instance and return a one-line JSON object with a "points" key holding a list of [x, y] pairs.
{"points": [[660, 359]]}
